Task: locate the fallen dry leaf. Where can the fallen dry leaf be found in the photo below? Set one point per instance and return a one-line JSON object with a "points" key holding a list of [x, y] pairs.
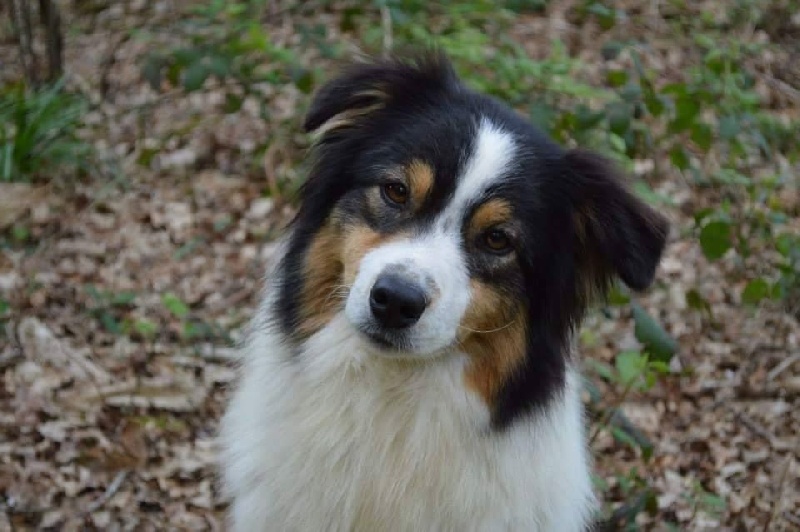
{"points": [[16, 199]]}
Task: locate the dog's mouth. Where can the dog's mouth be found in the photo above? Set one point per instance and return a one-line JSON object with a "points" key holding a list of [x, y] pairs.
{"points": [[386, 342], [380, 341], [392, 344]]}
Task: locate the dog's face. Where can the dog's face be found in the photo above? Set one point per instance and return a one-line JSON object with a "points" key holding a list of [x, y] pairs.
{"points": [[437, 220], [441, 235]]}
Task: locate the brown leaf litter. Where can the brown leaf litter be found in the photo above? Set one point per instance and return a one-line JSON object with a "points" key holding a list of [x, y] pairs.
{"points": [[110, 401]]}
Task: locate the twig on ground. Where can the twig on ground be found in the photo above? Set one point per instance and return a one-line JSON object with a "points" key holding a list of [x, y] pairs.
{"points": [[110, 61], [783, 87], [10, 358], [787, 464], [782, 366], [277, 151], [773, 393], [751, 424], [111, 490], [794, 519]]}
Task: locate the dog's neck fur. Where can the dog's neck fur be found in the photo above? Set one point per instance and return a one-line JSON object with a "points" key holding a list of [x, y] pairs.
{"points": [[335, 438]]}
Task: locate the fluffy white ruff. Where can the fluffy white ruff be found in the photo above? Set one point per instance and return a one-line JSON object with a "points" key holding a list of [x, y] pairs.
{"points": [[337, 439]]}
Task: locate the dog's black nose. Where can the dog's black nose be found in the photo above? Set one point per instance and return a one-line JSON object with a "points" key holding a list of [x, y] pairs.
{"points": [[395, 302]]}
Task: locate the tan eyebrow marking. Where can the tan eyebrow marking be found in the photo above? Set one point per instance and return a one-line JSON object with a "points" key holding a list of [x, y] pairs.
{"points": [[420, 180], [493, 212]]}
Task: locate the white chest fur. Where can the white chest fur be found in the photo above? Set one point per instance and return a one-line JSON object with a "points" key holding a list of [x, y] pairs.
{"points": [[335, 439]]}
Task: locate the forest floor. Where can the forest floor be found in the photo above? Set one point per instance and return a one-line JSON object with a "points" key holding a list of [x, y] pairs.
{"points": [[134, 284]]}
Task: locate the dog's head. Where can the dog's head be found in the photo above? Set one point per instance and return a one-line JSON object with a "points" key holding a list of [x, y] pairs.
{"points": [[440, 221]]}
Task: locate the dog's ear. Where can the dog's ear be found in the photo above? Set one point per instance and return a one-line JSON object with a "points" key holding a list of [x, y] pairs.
{"points": [[618, 233], [364, 90]]}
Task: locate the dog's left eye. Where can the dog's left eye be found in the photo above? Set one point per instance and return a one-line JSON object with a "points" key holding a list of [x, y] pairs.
{"points": [[497, 241], [395, 193]]}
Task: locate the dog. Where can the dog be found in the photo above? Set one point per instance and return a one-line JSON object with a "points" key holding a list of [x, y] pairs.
{"points": [[411, 364]]}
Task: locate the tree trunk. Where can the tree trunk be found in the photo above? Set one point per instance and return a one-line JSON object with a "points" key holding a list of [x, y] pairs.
{"points": [[54, 39], [21, 23], [22, 17]]}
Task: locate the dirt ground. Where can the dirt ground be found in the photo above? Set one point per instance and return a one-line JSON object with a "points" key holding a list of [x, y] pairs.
{"points": [[115, 430]]}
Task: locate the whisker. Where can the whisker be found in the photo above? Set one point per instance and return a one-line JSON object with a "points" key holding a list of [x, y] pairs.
{"points": [[507, 325], [339, 291]]}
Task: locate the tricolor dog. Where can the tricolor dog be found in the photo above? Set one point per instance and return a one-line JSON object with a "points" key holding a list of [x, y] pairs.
{"points": [[411, 367]]}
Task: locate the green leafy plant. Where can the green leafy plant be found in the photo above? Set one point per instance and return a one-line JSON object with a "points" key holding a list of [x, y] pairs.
{"points": [[639, 497], [191, 328], [633, 371], [38, 132], [5, 313], [226, 46], [111, 309], [175, 305], [703, 501], [225, 41]]}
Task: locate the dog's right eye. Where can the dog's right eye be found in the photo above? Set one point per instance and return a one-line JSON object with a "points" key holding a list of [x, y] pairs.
{"points": [[395, 193], [497, 241]]}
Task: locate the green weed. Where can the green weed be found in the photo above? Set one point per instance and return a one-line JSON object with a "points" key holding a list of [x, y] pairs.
{"points": [[38, 132]]}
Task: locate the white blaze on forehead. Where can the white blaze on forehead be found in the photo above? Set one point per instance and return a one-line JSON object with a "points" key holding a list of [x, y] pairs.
{"points": [[488, 162]]}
